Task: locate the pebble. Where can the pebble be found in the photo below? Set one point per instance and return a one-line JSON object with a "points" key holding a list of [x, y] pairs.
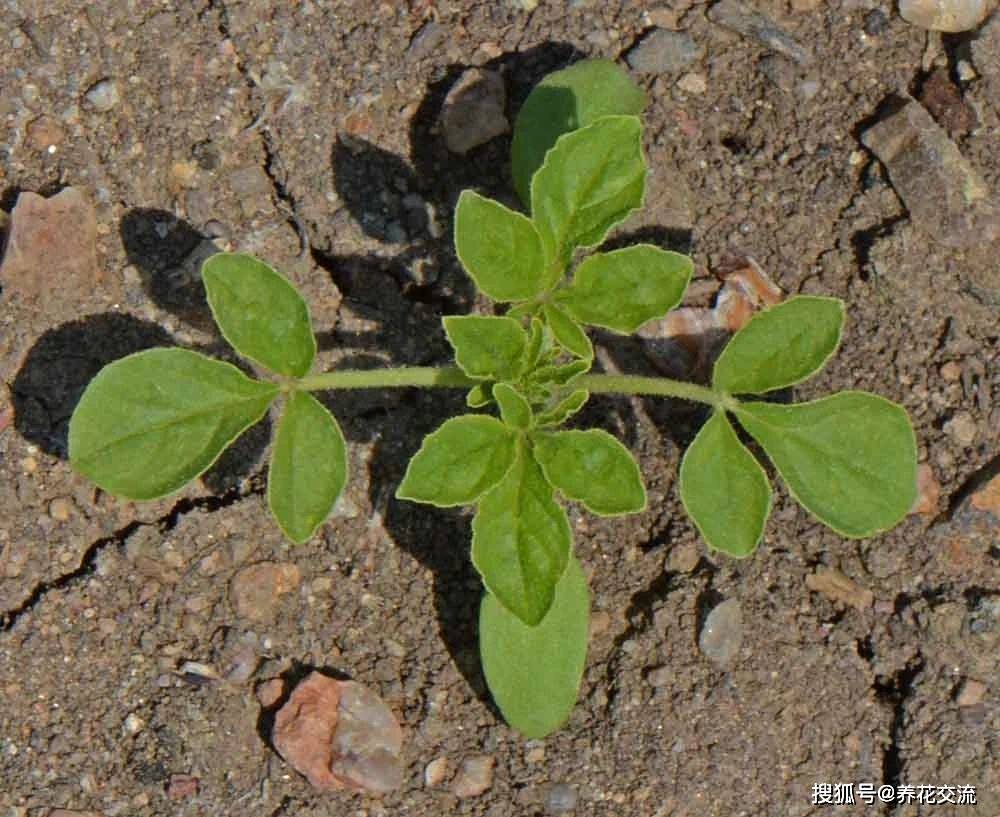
{"points": [[875, 23], [693, 83], [951, 371], [561, 798], [928, 491], [61, 508], [45, 134], [746, 21], [256, 590], [984, 49], [962, 428], [103, 95], [972, 693], [474, 777], [426, 41], [473, 111], [664, 52], [946, 15], [435, 772], [683, 558], [181, 786], [250, 182], [534, 751], [340, 735], [839, 588], [134, 724], [945, 197], [722, 633]]}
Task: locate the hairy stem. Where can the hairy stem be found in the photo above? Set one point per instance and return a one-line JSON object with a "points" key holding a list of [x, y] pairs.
{"points": [[454, 378]]}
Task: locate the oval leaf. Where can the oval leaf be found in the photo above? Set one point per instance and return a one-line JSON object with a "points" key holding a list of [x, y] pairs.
{"points": [[534, 673], [485, 346], [591, 180], [514, 409], [724, 489], [260, 313], [308, 467], [623, 289], [521, 541], [459, 462], [781, 346], [155, 420], [592, 467], [564, 101], [564, 409], [499, 249], [849, 459], [568, 333]]}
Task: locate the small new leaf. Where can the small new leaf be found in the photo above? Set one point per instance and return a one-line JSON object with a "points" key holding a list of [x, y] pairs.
{"points": [[153, 421], [623, 289], [260, 313], [591, 467], [563, 374], [479, 395], [724, 489], [565, 101], [459, 462], [564, 409], [591, 181], [308, 467], [499, 249], [514, 409], [568, 333], [780, 347], [487, 347], [849, 459], [534, 673], [521, 541]]}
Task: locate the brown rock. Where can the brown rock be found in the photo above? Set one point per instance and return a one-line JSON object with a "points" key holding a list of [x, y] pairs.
{"points": [[837, 587], [474, 777], [928, 491], [257, 589], [269, 692], [473, 111], [340, 735], [944, 101], [972, 693], [182, 785], [51, 247]]}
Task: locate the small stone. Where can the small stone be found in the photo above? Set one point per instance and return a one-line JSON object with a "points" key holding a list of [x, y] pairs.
{"points": [[946, 15], [875, 23], [664, 52], [269, 692], [945, 197], [839, 588], [722, 633], [987, 498], [962, 428], [944, 101], [473, 111], [972, 693], [664, 17], [103, 95], [746, 21], [474, 777], [951, 371], [427, 41], [435, 772], [134, 724], [659, 677], [184, 175], [256, 590], [181, 786], [928, 491], [44, 134], [683, 558], [250, 182], [340, 735], [61, 508], [693, 83], [561, 798], [534, 751]]}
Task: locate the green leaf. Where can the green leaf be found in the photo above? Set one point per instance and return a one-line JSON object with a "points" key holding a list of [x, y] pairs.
{"points": [[534, 673], [564, 409], [563, 374], [538, 344], [479, 395], [568, 332], [514, 409], [308, 467], [725, 489], [623, 289], [781, 346], [591, 180], [155, 420], [849, 459], [521, 541], [459, 462], [499, 249], [592, 467], [562, 102], [487, 347], [260, 313]]}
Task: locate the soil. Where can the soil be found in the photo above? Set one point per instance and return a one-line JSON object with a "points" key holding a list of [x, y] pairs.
{"points": [[304, 132]]}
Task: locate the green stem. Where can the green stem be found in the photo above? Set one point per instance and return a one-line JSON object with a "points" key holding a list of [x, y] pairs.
{"points": [[456, 379]]}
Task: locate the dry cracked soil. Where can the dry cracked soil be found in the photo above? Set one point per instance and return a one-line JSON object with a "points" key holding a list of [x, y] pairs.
{"points": [[309, 133]]}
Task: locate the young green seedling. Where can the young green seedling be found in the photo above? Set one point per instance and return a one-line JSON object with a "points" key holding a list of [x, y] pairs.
{"points": [[153, 421]]}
